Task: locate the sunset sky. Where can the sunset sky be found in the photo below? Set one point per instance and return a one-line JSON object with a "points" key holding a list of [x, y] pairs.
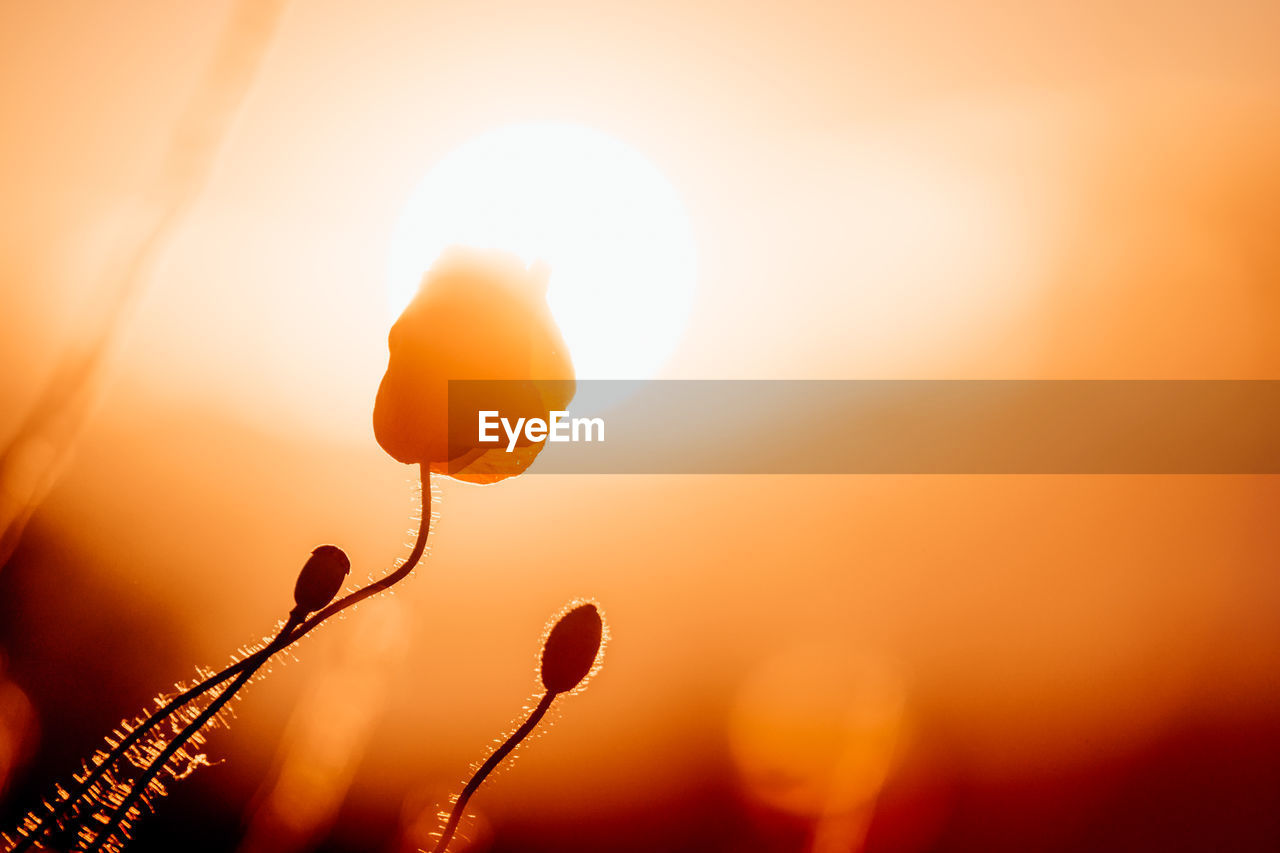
{"points": [[929, 190]]}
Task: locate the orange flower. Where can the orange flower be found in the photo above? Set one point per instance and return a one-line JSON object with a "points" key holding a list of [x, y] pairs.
{"points": [[479, 315]]}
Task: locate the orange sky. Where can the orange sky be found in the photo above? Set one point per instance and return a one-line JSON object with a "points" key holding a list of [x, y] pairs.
{"points": [[930, 190]]}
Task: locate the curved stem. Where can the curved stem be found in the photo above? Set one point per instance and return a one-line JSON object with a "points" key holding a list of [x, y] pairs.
{"points": [[490, 763], [380, 585], [254, 661]]}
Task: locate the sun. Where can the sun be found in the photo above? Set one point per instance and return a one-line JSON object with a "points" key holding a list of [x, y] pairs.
{"points": [[609, 224]]}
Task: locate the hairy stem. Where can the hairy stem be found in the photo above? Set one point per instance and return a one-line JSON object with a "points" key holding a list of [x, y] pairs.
{"points": [[119, 818], [490, 763], [253, 662]]}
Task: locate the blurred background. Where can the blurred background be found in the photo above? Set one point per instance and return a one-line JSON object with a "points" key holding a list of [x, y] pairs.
{"points": [[920, 190]]}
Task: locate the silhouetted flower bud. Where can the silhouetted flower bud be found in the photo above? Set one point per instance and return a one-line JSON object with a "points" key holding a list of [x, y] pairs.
{"points": [[320, 579], [571, 648], [478, 315]]}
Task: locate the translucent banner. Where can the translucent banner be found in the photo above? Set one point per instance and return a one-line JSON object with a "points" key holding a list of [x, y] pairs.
{"points": [[875, 427]]}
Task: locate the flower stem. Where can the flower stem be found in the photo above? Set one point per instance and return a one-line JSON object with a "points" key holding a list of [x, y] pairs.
{"points": [[252, 663], [490, 763], [119, 818]]}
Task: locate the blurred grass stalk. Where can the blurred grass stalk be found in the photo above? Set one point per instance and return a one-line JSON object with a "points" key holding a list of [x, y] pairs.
{"points": [[45, 442]]}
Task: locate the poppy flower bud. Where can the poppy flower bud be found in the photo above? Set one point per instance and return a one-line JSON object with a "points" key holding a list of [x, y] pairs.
{"points": [[320, 579], [571, 648], [479, 315]]}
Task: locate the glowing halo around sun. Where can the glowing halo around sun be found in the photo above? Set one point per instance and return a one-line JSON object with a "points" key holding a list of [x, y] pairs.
{"points": [[612, 228]]}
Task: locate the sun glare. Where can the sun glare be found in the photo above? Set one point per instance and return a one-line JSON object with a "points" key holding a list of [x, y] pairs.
{"points": [[612, 228]]}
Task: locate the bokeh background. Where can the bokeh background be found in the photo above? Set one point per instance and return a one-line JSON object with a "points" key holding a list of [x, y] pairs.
{"points": [[918, 190]]}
